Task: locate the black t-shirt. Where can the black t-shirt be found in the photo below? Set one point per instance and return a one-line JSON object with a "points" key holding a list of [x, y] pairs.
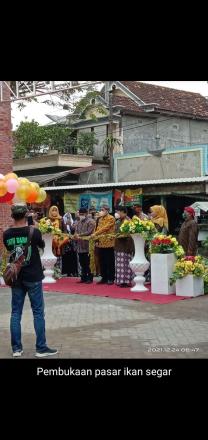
{"points": [[15, 240]]}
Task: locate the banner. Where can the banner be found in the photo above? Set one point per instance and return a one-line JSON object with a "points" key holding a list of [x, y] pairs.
{"points": [[95, 200], [71, 202], [127, 197]]}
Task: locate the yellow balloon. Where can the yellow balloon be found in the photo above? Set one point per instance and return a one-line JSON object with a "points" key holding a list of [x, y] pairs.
{"points": [[35, 186], [10, 176], [23, 191], [41, 196], [23, 180]]}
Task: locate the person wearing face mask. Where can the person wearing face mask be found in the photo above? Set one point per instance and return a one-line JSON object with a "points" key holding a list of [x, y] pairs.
{"points": [[105, 226], [85, 226], [124, 251], [188, 234], [117, 216], [92, 213]]}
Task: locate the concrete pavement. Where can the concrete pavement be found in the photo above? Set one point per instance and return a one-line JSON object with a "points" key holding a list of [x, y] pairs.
{"points": [[81, 326]]}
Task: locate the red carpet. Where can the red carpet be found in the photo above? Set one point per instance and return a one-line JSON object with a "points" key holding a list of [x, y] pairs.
{"points": [[70, 286]]}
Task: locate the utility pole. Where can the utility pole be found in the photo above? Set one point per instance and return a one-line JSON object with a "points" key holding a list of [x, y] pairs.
{"points": [[110, 133]]}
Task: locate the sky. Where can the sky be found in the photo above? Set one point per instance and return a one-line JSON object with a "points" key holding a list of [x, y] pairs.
{"points": [[38, 110]]}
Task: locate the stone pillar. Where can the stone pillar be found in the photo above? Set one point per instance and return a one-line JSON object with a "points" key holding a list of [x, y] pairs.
{"points": [[6, 155]]}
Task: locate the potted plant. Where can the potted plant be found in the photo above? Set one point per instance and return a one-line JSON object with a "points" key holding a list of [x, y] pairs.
{"points": [[188, 274], [164, 250], [140, 231]]}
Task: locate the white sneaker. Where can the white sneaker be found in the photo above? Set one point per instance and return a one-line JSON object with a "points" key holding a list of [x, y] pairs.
{"points": [[17, 353]]}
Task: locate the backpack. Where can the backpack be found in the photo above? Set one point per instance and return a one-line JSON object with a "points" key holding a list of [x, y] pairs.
{"points": [[13, 269]]}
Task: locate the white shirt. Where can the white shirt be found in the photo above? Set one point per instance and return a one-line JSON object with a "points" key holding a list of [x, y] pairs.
{"points": [[68, 217]]}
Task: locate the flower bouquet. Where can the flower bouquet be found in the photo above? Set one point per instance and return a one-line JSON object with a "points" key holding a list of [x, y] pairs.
{"points": [[166, 244], [45, 226], [189, 266], [145, 228]]}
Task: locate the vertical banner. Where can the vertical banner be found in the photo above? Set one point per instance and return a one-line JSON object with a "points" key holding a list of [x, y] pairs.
{"points": [[95, 200], [71, 202]]}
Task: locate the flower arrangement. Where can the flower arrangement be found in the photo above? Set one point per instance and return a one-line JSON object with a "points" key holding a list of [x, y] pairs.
{"points": [[189, 266], [45, 226], [165, 244], [136, 226]]}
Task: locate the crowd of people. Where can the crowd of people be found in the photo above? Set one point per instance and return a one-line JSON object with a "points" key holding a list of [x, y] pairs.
{"points": [[109, 256]]}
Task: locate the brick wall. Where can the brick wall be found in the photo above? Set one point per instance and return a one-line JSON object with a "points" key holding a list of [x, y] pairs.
{"points": [[5, 155]]}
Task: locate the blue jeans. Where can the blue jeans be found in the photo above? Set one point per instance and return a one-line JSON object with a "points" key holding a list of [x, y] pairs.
{"points": [[35, 294]]}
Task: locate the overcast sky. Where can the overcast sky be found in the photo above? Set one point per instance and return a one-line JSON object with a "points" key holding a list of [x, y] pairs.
{"points": [[37, 111]]}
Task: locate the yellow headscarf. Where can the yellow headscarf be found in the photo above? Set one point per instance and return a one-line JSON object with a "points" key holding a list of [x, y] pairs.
{"points": [[54, 218], [58, 242], [50, 215], [161, 217]]}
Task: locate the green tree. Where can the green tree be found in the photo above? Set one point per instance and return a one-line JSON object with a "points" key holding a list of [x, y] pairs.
{"points": [[85, 143], [31, 139]]}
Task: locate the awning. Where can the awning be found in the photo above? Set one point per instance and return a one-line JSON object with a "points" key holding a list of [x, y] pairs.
{"points": [[200, 205], [137, 183], [46, 178]]}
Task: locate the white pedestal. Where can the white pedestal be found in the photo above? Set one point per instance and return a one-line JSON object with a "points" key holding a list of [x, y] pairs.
{"points": [[161, 269], [139, 264], [190, 286], [48, 259]]}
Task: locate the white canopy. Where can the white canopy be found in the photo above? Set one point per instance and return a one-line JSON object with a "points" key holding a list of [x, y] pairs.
{"points": [[200, 205]]}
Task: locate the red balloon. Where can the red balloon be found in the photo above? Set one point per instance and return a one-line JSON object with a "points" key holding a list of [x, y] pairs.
{"points": [[6, 198]]}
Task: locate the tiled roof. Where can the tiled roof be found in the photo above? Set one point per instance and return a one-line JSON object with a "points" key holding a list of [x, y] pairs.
{"points": [[127, 103], [167, 99]]}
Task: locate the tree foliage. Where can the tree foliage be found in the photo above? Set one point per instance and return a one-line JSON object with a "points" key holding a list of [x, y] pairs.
{"points": [[32, 139], [85, 143]]}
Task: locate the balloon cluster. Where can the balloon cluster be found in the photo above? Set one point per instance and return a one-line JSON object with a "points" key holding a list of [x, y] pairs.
{"points": [[15, 189]]}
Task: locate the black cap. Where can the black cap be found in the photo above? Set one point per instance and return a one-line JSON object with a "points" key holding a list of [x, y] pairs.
{"points": [[83, 211]]}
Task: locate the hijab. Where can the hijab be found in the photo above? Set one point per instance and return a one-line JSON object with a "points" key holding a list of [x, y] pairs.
{"points": [[161, 217]]}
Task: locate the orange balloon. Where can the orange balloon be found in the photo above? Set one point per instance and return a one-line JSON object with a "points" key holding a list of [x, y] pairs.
{"points": [[3, 188], [32, 196], [10, 176]]}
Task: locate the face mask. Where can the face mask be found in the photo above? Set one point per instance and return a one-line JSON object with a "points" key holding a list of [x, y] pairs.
{"points": [[82, 217], [117, 215]]}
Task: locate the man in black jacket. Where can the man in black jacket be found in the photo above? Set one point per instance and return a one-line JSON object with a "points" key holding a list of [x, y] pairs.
{"points": [[29, 281]]}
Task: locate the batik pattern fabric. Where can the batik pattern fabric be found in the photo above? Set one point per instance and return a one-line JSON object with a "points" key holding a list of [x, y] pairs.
{"points": [[124, 274]]}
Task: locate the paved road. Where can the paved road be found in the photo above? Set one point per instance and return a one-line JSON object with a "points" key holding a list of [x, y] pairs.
{"points": [[94, 327]]}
